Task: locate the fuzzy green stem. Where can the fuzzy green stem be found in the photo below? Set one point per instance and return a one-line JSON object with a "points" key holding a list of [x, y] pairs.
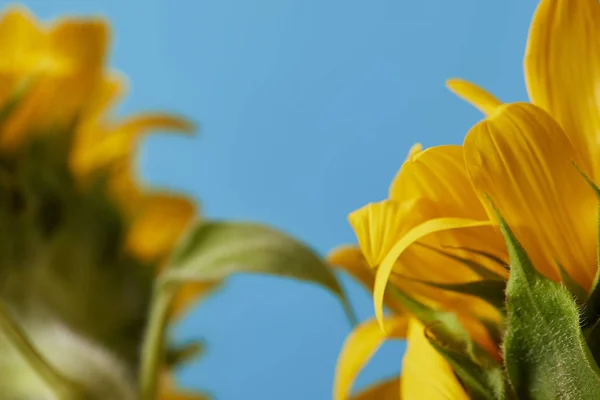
{"points": [[153, 350], [59, 384]]}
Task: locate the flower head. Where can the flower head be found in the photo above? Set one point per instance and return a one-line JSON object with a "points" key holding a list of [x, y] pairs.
{"points": [[84, 240], [436, 238]]}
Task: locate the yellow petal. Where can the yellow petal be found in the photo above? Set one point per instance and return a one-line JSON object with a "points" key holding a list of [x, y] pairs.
{"points": [[351, 260], [81, 41], [423, 263], [377, 227], [162, 219], [437, 182], [439, 175], [414, 150], [562, 70], [21, 41], [110, 90], [75, 55], [175, 395], [157, 121], [387, 390], [168, 391], [480, 98], [358, 349], [522, 159], [425, 373], [188, 295], [426, 228], [437, 178], [23, 47], [99, 149]]}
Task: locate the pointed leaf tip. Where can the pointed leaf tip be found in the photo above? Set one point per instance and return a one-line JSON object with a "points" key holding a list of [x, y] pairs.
{"points": [[544, 350], [216, 250]]}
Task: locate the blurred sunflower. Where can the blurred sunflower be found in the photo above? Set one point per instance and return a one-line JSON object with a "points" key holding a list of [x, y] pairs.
{"points": [[435, 238], [94, 267], [81, 241]]}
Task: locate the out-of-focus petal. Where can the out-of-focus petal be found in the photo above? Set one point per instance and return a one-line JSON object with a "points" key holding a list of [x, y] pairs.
{"points": [[161, 221], [386, 390], [95, 150], [188, 295], [351, 260]]}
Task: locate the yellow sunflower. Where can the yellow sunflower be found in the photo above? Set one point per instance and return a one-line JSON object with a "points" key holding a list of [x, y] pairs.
{"points": [[53, 79], [523, 155], [57, 92], [425, 373], [437, 223]]}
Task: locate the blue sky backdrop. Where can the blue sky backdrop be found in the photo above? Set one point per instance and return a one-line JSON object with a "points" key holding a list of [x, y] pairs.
{"points": [[306, 110]]}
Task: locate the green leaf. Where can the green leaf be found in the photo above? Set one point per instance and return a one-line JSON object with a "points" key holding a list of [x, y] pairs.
{"points": [[477, 268], [216, 250], [485, 379], [477, 370], [62, 386], [491, 291], [545, 352]]}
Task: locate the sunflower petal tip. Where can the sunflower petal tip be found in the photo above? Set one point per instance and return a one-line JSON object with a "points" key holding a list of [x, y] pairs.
{"points": [[452, 82], [338, 254], [414, 151]]}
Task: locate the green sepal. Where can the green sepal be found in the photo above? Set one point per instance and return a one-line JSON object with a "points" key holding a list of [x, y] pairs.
{"points": [[484, 379], [545, 353], [477, 370]]}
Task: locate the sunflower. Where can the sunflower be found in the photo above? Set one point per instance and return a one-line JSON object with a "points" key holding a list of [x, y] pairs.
{"points": [[526, 156], [82, 240], [526, 161]]}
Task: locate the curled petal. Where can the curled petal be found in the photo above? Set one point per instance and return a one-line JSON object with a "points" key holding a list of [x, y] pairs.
{"points": [[351, 260], [418, 232]]}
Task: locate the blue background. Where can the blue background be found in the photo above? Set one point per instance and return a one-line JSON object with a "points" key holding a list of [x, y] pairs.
{"points": [[307, 109]]}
